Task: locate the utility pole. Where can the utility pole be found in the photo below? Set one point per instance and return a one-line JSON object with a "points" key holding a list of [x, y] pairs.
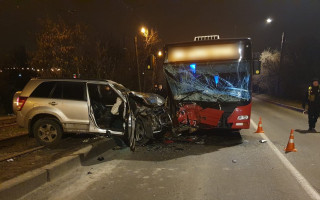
{"points": [[283, 39], [137, 59]]}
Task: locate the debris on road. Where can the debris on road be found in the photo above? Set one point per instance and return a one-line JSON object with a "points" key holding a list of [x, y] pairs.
{"points": [[234, 161], [89, 172], [200, 141], [168, 141], [100, 158], [10, 160], [86, 140], [262, 141]]}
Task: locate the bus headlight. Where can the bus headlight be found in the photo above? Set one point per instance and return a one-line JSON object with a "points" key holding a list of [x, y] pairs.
{"points": [[243, 117]]}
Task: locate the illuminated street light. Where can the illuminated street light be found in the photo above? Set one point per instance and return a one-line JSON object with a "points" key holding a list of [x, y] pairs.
{"points": [[144, 31], [159, 53], [269, 20]]}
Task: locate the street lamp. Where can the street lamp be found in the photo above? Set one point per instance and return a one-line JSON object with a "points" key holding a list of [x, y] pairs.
{"points": [[159, 53], [144, 31], [283, 39], [269, 20]]}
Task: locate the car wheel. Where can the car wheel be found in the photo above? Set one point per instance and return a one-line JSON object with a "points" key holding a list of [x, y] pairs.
{"points": [[141, 138], [47, 131], [132, 141], [130, 136]]}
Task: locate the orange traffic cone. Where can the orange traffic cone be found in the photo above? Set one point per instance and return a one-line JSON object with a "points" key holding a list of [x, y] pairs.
{"points": [[290, 146], [260, 129]]}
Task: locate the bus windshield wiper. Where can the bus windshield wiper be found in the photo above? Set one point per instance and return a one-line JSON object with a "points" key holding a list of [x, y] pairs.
{"points": [[188, 94]]}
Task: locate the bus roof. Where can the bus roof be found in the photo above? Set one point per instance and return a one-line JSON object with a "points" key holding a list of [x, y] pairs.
{"points": [[209, 50], [208, 42]]}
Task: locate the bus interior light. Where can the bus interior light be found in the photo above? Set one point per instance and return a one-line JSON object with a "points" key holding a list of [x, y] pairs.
{"points": [[216, 79], [193, 68]]}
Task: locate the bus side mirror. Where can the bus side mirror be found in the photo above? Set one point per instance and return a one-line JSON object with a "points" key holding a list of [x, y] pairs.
{"points": [[256, 67]]}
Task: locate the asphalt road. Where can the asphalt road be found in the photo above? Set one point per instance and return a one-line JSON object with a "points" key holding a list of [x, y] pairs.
{"points": [[227, 166]]}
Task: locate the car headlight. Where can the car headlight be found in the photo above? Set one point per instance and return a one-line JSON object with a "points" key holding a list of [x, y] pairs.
{"points": [[243, 117]]}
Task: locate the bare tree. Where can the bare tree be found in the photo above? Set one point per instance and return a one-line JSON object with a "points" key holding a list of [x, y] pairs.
{"points": [[59, 49], [268, 79], [150, 44]]}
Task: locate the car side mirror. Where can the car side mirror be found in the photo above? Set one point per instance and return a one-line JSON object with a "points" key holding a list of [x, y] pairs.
{"points": [[256, 67]]}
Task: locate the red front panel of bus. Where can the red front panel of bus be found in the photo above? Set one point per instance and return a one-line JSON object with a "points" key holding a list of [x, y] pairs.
{"points": [[194, 115], [240, 112]]}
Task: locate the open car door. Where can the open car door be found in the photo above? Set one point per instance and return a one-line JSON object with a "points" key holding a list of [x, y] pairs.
{"points": [[131, 131]]}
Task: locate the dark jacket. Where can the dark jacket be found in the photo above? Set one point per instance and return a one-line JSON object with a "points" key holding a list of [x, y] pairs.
{"points": [[162, 93], [312, 98]]}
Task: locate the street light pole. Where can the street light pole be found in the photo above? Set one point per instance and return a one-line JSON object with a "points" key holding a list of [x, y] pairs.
{"points": [[283, 39], [137, 59], [145, 33], [155, 68], [269, 21]]}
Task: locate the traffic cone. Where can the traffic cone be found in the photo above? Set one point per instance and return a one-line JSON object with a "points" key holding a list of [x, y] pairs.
{"points": [[260, 129], [290, 146]]}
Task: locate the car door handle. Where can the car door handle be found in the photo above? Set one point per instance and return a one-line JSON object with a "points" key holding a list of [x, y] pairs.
{"points": [[53, 103]]}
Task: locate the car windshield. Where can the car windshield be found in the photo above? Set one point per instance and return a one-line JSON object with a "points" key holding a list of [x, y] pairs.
{"points": [[217, 82]]}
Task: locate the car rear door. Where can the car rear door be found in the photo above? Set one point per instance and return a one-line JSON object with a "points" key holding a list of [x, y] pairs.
{"points": [[70, 98]]}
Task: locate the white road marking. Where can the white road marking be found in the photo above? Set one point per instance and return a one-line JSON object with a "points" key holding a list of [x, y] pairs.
{"points": [[297, 175]]}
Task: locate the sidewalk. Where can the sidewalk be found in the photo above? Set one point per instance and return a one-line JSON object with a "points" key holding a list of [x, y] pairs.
{"points": [[48, 164], [290, 104]]}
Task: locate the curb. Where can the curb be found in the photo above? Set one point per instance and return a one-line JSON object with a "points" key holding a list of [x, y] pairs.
{"points": [[280, 104], [29, 181], [7, 120]]}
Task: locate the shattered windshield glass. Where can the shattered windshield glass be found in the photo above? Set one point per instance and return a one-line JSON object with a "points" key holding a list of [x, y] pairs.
{"points": [[210, 82], [150, 99]]}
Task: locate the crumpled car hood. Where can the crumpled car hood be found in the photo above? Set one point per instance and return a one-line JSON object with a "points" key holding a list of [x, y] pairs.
{"points": [[149, 99]]}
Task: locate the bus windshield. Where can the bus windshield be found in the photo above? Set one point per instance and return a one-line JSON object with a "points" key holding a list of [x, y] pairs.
{"points": [[209, 82]]}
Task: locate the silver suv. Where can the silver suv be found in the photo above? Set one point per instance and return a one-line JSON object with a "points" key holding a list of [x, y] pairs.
{"points": [[50, 107]]}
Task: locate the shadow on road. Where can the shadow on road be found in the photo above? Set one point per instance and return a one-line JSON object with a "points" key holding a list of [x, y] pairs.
{"points": [[205, 142], [305, 131]]}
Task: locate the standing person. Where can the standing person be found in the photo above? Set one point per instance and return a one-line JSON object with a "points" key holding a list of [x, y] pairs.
{"points": [[161, 91], [312, 98], [155, 88]]}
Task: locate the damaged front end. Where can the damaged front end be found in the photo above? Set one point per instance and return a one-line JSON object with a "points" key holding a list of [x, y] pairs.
{"points": [[151, 115], [209, 95]]}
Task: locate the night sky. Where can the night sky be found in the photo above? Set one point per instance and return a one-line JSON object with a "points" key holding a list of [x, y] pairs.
{"points": [[176, 20]]}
